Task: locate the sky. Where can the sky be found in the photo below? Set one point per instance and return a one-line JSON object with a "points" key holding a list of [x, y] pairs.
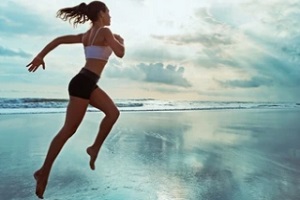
{"points": [[209, 50]]}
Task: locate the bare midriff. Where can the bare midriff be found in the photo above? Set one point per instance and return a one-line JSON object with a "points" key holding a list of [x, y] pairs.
{"points": [[95, 65]]}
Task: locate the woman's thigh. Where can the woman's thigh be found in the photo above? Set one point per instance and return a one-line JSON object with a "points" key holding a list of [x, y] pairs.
{"points": [[100, 100], [75, 112]]}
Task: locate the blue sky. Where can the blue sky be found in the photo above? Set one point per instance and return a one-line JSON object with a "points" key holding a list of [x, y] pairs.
{"points": [[233, 50]]}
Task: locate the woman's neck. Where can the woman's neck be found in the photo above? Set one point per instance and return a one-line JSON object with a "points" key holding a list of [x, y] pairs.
{"points": [[98, 24]]}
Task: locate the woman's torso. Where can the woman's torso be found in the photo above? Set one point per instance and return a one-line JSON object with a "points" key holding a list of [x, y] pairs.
{"points": [[94, 38]]}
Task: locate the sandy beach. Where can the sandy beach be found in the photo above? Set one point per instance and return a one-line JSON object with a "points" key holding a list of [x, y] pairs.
{"points": [[211, 155]]}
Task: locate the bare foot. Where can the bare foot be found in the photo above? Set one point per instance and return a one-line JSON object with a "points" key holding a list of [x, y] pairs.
{"points": [[93, 157], [41, 183]]}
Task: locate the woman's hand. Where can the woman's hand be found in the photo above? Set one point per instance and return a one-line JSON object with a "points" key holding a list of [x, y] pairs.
{"points": [[119, 38], [35, 63]]}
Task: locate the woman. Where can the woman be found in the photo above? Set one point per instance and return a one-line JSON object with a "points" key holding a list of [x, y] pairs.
{"points": [[99, 42]]}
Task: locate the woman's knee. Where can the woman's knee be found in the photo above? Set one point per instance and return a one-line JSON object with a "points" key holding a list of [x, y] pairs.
{"points": [[67, 131], [113, 114]]}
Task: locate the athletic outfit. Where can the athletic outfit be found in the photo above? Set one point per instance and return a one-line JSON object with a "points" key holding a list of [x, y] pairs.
{"points": [[83, 84]]}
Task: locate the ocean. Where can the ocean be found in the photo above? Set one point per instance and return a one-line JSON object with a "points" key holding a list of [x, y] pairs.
{"points": [[157, 150], [51, 105]]}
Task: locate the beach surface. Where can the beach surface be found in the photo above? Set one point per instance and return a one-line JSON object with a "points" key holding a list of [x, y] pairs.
{"points": [[247, 154]]}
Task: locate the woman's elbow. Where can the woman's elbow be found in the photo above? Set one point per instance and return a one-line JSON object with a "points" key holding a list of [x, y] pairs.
{"points": [[121, 53]]}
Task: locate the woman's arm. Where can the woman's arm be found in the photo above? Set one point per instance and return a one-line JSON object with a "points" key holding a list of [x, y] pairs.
{"points": [[116, 42], [67, 39], [39, 59]]}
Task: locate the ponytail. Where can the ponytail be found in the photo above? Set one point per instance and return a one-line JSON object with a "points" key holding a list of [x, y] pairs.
{"points": [[77, 13], [81, 13]]}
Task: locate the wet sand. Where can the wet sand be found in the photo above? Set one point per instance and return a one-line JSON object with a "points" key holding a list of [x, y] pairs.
{"points": [[209, 155]]}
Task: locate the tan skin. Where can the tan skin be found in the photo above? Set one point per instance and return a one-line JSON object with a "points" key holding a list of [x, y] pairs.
{"points": [[77, 106]]}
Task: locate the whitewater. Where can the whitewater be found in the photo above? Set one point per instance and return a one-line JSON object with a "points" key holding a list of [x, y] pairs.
{"points": [[50, 105]]}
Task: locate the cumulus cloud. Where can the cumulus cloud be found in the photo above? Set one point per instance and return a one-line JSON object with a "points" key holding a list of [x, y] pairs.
{"points": [[169, 75], [11, 53], [153, 72]]}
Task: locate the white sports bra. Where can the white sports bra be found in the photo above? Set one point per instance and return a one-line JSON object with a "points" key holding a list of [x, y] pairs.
{"points": [[97, 52]]}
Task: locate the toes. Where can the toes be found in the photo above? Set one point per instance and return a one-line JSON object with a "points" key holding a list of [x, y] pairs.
{"points": [[39, 196], [92, 158], [40, 189], [92, 165], [92, 162], [41, 183]]}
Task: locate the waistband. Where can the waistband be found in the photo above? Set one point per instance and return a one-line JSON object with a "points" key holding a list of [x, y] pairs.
{"points": [[91, 75]]}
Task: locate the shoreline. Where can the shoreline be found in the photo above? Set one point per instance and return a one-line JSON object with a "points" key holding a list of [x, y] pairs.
{"points": [[26, 112]]}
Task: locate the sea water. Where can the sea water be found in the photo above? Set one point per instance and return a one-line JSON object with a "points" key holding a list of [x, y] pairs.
{"points": [[45, 105]]}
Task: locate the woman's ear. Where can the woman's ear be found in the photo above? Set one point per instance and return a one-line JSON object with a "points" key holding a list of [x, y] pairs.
{"points": [[101, 14]]}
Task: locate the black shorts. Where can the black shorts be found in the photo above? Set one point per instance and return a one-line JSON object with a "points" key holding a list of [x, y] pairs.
{"points": [[83, 84]]}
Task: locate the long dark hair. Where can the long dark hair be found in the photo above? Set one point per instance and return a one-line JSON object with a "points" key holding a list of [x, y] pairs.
{"points": [[82, 12]]}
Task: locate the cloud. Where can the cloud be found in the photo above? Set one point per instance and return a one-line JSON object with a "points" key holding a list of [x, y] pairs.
{"points": [[292, 50], [272, 71], [209, 32], [207, 40], [153, 73], [11, 53], [283, 73], [17, 19], [204, 14], [153, 54], [254, 82], [256, 42], [211, 42], [262, 42], [168, 90], [170, 74]]}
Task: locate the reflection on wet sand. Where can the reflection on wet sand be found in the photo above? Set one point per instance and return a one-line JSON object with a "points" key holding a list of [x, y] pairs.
{"points": [[209, 155], [217, 155]]}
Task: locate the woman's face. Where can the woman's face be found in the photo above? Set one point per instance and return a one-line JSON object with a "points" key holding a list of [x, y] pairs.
{"points": [[105, 17]]}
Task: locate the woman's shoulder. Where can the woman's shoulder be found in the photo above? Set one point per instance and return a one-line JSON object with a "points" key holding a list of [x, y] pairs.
{"points": [[106, 31]]}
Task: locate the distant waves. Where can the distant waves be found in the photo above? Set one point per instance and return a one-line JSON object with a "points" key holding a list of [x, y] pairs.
{"points": [[50, 105]]}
